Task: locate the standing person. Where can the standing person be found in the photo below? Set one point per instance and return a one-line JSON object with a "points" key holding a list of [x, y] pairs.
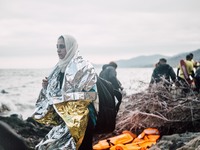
{"points": [[192, 60], [101, 74], [185, 73], [185, 70], [109, 73], [163, 70], [66, 100], [195, 64]]}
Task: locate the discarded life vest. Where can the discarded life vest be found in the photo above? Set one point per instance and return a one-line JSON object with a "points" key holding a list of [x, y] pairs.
{"points": [[129, 141], [125, 137], [106, 117]]}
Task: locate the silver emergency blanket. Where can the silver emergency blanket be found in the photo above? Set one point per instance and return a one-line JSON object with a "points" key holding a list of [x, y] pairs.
{"points": [[51, 141], [66, 108]]}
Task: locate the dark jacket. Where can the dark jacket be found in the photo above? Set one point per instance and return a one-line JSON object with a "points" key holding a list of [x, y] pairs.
{"points": [[197, 73], [109, 73], [163, 70], [102, 73]]}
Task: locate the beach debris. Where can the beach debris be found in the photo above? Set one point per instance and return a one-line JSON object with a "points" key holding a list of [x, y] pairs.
{"points": [[4, 108], [128, 141], [29, 130], [125, 137], [165, 108], [158, 108]]}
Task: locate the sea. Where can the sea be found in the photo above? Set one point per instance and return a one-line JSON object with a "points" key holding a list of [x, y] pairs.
{"points": [[19, 88]]}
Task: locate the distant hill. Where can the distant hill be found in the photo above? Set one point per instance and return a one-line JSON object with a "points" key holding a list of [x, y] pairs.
{"points": [[174, 60], [151, 60], [140, 61]]}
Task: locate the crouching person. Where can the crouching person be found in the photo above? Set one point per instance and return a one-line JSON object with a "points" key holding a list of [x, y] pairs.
{"points": [[163, 72]]}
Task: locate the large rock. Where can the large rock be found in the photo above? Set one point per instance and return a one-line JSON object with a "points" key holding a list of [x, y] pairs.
{"points": [[22, 131]]}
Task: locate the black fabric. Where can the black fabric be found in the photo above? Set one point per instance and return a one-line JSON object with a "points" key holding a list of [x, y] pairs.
{"points": [[118, 95], [197, 84], [163, 70], [87, 140], [109, 73], [197, 79], [9, 139], [60, 78], [197, 73], [106, 117]]}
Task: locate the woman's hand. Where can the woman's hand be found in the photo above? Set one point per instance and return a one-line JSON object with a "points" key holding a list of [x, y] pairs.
{"points": [[45, 83]]}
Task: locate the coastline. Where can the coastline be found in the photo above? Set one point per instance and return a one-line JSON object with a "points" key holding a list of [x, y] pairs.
{"points": [[137, 112]]}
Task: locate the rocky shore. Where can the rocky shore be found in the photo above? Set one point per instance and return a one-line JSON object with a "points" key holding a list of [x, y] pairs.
{"points": [[27, 130], [177, 119], [32, 132]]}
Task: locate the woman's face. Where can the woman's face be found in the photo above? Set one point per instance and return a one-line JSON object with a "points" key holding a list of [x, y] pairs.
{"points": [[61, 49]]}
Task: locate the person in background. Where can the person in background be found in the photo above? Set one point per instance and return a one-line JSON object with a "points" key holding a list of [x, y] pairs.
{"points": [[163, 70], [195, 63], [109, 73], [156, 65], [101, 74], [66, 100], [192, 56], [185, 73]]}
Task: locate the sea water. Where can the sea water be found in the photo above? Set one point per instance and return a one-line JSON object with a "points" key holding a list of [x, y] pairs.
{"points": [[19, 88]]}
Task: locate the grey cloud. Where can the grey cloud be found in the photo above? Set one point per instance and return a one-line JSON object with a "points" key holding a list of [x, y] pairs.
{"points": [[121, 28]]}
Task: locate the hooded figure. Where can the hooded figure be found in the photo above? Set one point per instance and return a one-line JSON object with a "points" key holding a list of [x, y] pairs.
{"points": [[67, 100], [109, 73]]}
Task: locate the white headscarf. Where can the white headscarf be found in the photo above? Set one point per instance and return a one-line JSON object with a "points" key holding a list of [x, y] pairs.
{"points": [[71, 48]]}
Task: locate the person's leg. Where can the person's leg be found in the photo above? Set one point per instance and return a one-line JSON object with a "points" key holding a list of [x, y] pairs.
{"points": [[87, 141]]}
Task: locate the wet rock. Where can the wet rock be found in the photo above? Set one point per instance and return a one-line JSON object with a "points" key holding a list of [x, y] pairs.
{"points": [[9, 140], [4, 91], [29, 130], [4, 108]]}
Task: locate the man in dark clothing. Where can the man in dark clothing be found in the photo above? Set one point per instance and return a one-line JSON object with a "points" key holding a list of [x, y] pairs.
{"points": [[163, 70], [197, 79], [109, 73], [101, 74]]}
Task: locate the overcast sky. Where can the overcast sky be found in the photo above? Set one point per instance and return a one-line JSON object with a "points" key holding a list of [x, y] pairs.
{"points": [[104, 29]]}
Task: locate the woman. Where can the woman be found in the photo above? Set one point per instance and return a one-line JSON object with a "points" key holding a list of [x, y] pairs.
{"points": [[66, 100]]}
